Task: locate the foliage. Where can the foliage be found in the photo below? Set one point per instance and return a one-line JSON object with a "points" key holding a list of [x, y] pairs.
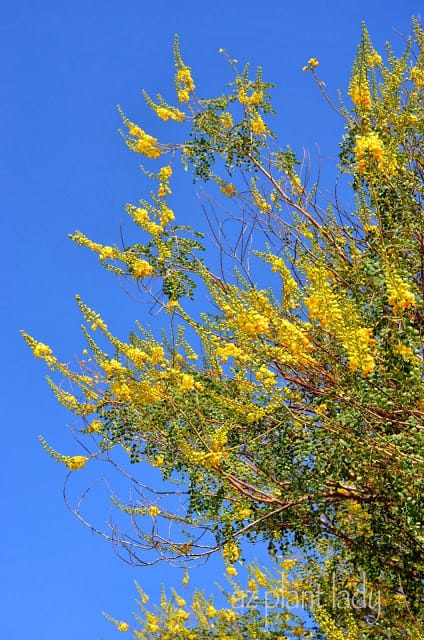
{"points": [[290, 413]]}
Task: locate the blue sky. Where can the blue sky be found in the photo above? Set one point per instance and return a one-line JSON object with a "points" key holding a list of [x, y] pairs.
{"points": [[64, 68]]}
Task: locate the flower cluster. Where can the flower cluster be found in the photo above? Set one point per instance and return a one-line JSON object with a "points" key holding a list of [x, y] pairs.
{"points": [[184, 83], [370, 154], [400, 296], [312, 64], [254, 100], [143, 143], [258, 125], [164, 110], [226, 120], [76, 462], [164, 175], [359, 92], [41, 350], [230, 350], [417, 76], [228, 189], [340, 318]]}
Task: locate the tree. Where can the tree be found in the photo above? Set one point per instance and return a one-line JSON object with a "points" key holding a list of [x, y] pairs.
{"points": [[291, 412]]}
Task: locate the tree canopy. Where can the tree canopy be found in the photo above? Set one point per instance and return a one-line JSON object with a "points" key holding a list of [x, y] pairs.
{"points": [[289, 409]]}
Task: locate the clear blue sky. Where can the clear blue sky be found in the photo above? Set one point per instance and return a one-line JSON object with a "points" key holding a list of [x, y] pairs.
{"points": [[64, 67]]}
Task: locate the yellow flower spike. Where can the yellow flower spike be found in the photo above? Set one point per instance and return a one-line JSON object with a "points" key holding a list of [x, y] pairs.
{"points": [[185, 83], [258, 125], [359, 92]]}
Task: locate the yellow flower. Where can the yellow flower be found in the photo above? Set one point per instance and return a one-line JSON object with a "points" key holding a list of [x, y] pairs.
{"points": [[170, 113], [244, 513], [141, 268], [313, 63], [145, 144], [187, 382], [167, 215], [163, 190], [185, 579], [374, 59], [134, 130], [40, 350], [231, 552], [231, 570], [417, 76], [184, 83], [230, 350], [106, 252], [288, 564], [76, 462], [228, 615], [400, 296], [165, 173], [404, 351], [158, 461], [180, 601], [254, 100], [154, 511], [95, 426], [369, 148], [359, 92], [123, 626], [228, 190], [252, 585], [182, 615], [258, 125], [226, 120]]}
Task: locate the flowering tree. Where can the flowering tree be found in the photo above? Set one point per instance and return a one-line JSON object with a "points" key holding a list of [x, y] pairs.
{"points": [[289, 412]]}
